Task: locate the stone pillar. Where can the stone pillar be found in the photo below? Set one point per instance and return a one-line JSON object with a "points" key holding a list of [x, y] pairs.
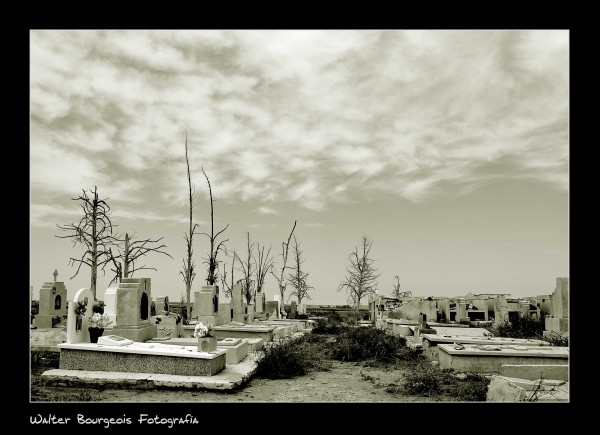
{"points": [[461, 311], [206, 304], [237, 304], [260, 303], [110, 304], [293, 310], [277, 298]]}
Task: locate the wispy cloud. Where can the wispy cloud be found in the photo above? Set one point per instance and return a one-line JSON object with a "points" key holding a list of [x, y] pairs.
{"points": [[308, 116], [266, 210]]}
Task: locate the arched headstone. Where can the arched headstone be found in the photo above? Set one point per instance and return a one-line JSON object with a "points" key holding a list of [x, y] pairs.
{"points": [[74, 334]]}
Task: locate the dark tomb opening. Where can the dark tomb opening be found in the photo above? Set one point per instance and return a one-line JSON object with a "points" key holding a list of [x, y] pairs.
{"points": [[144, 307], [57, 302]]}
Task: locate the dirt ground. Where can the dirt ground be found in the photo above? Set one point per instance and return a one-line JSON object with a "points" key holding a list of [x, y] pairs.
{"points": [[345, 382]]}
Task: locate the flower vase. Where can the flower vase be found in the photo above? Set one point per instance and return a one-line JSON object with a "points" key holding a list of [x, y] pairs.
{"points": [[207, 344], [95, 333], [78, 322]]}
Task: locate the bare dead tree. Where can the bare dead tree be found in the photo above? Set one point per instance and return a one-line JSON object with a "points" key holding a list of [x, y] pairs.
{"points": [[213, 265], [297, 278], [280, 277], [263, 264], [228, 285], [397, 293], [188, 271], [361, 278], [94, 232], [247, 271], [129, 250]]}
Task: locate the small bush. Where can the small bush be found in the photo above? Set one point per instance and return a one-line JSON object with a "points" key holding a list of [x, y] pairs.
{"points": [[293, 357], [359, 344], [556, 340], [427, 380], [302, 316], [281, 361], [327, 326], [520, 327]]}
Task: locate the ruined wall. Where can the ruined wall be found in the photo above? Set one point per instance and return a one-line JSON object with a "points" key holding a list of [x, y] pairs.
{"points": [[412, 309]]}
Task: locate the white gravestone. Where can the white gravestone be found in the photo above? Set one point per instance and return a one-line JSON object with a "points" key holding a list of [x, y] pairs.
{"points": [[82, 335], [110, 305], [277, 298]]}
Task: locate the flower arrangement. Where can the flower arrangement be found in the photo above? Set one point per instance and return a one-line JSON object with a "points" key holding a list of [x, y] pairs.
{"points": [[81, 308], [99, 321], [202, 330]]}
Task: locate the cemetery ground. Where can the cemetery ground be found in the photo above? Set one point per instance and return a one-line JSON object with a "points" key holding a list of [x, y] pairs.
{"points": [[333, 363]]}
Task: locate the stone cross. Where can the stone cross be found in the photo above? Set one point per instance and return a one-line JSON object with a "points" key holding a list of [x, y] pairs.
{"points": [[55, 275]]}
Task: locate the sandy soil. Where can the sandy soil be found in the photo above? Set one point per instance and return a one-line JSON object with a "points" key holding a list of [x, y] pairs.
{"points": [[345, 382]]}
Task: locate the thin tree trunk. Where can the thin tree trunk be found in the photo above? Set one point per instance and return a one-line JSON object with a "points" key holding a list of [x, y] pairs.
{"points": [[126, 267], [94, 272]]}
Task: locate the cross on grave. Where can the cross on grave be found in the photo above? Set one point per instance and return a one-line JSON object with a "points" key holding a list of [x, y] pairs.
{"points": [[55, 275]]}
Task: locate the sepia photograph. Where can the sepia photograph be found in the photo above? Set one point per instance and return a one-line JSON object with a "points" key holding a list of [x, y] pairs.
{"points": [[296, 216]]}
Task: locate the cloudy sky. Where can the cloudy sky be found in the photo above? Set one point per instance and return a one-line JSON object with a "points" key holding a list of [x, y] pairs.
{"points": [[449, 149]]}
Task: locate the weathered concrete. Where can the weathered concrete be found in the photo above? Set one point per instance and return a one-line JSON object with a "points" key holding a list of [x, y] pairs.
{"points": [[133, 320], [431, 341], [232, 330], [236, 348], [506, 389], [47, 337], [231, 378], [52, 303], [473, 359], [153, 358], [536, 371]]}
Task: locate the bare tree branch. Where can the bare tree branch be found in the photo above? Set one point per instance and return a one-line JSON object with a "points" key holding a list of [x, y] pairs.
{"points": [[361, 278], [298, 278], [246, 269], [132, 249], [212, 263], [93, 231], [188, 272], [263, 263], [280, 277]]}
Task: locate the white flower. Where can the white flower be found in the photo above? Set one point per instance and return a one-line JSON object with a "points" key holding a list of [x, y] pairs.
{"points": [[202, 330], [99, 321]]}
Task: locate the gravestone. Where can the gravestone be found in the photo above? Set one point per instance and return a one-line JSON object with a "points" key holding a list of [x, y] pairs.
{"points": [[110, 304], [250, 313], [166, 305], [132, 308], [271, 310], [237, 304], [77, 332], [293, 310], [261, 303], [225, 313], [206, 304], [277, 298], [301, 309], [53, 302], [461, 311]]}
